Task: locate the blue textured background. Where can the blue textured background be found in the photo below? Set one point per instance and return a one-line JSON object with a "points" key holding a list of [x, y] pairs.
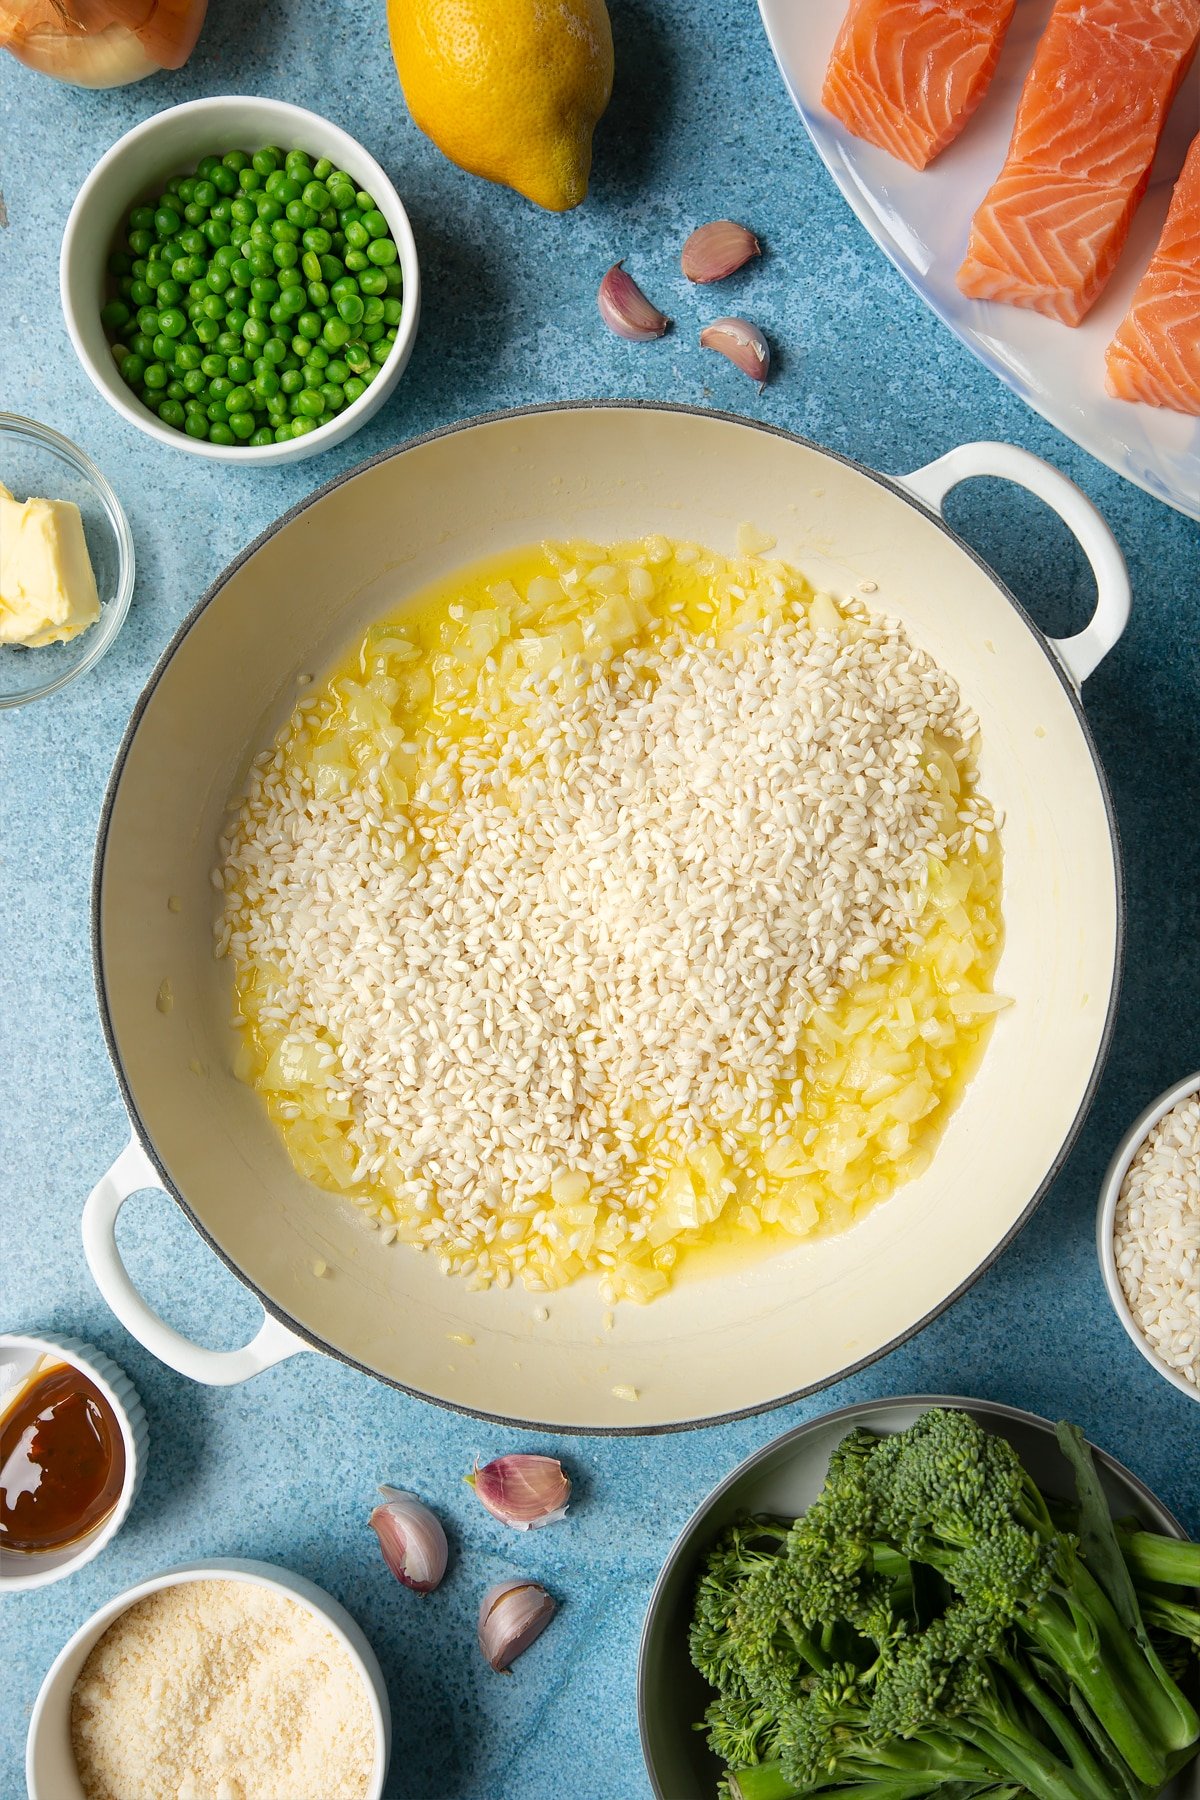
{"points": [[285, 1467]]}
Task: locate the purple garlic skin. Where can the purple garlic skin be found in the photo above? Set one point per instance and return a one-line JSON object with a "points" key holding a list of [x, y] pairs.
{"points": [[511, 1615], [717, 250], [411, 1538], [523, 1491], [626, 310], [743, 344]]}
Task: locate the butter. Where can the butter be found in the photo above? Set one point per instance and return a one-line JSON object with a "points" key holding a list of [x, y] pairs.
{"points": [[47, 587]]}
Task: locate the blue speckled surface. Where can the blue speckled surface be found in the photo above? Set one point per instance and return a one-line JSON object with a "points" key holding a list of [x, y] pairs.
{"points": [[284, 1468]]}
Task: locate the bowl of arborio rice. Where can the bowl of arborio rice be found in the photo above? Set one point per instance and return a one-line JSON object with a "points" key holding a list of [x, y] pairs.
{"points": [[223, 1677], [1148, 1234]]}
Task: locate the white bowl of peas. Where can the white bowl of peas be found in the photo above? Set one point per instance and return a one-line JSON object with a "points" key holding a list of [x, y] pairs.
{"points": [[240, 281]]}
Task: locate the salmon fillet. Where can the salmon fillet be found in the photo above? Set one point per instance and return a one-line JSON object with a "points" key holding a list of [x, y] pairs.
{"points": [[1155, 355], [908, 74], [1051, 228]]}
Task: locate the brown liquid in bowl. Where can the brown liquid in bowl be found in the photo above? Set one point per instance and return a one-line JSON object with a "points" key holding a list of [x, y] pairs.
{"points": [[62, 1462]]}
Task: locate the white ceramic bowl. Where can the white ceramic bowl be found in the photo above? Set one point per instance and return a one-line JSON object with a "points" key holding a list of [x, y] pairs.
{"points": [[172, 143], [19, 1355], [50, 1772], [1110, 1192]]}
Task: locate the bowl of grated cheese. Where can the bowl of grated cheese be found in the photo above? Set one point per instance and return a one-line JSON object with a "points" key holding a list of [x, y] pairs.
{"points": [[1148, 1234], [224, 1680]]}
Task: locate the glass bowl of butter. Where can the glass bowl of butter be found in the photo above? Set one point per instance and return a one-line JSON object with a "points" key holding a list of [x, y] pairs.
{"points": [[66, 562]]}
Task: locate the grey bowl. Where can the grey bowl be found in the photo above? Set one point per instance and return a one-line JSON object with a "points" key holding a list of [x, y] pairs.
{"points": [[784, 1479]]}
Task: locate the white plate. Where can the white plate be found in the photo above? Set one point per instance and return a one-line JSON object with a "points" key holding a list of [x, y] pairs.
{"points": [[921, 219]]}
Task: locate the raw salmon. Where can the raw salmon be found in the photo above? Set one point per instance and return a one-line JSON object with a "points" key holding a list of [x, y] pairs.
{"points": [[1155, 355], [1050, 231], [908, 74]]}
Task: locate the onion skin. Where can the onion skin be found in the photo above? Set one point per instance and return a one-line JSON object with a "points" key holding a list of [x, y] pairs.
{"points": [[511, 1615], [101, 43]]}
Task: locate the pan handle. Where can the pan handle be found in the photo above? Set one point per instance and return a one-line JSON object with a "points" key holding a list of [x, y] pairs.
{"points": [[1082, 654], [130, 1174]]}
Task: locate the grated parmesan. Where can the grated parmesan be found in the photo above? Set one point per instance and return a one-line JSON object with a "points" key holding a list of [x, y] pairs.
{"points": [[221, 1690]]}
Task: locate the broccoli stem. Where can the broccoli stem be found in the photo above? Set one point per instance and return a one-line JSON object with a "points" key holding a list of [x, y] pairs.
{"points": [[1152, 1557], [1083, 1761], [1161, 1613]]}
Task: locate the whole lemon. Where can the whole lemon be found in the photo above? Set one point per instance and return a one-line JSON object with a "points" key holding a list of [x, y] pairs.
{"points": [[508, 89]]}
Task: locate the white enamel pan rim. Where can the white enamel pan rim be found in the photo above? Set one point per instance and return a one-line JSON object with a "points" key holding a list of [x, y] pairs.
{"points": [[685, 1543], [140, 1165]]}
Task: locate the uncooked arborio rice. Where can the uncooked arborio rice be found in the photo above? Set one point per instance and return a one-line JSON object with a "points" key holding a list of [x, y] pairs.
{"points": [[635, 900], [1157, 1238]]}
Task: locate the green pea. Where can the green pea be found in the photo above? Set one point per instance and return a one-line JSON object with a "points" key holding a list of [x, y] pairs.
{"points": [[341, 191], [353, 389], [256, 331], [176, 390], [141, 345], [263, 288], [249, 180], [242, 273], [318, 240], [266, 384], [309, 325], [213, 307], [350, 309], [382, 251], [239, 235], [163, 347], [261, 261], [316, 196], [196, 382], [204, 193], [336, 333], [172, 323], [333, 396], [345, 284], [194, 215], [310, 263], [214, 364], [193, 243], [219, 433], [125, 286], [133, 368], [243, 212], [217, 233], [284, 232], [380, 351], [141, 293], [318, 357], [301, 217], [142, 218], [114, 315], [166, 222], [270, 210], [280, 314], [220, 387], [289, 278], [156, 375], [309, 404], [140, 242], [219, 278], [229, 343], [239, 370], [288, 189], [395, 277], [332, 269], [375, 222], [392, 310], [371, 334], [329, 220], [264, 435], [189, 268], [336, 369], [318, 294], [157, 271], [258, 309], [358, 357], [170, 292], [357, 235], [217, 412], [279, 407], [196, 425], [373, 281], [300, 346], [286, 256], [265, 162], [238, 400], [222, 211], [147, 318], [171, 413], [291, 381], [224, 179], [357, 261], [274, 350], [207, 330]]}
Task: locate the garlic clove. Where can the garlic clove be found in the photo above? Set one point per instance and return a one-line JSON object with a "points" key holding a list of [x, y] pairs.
{"points": [[523, 1491], [511, 1615], [411, 1538], [626, 310], [715, 251], [744, 345]]}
